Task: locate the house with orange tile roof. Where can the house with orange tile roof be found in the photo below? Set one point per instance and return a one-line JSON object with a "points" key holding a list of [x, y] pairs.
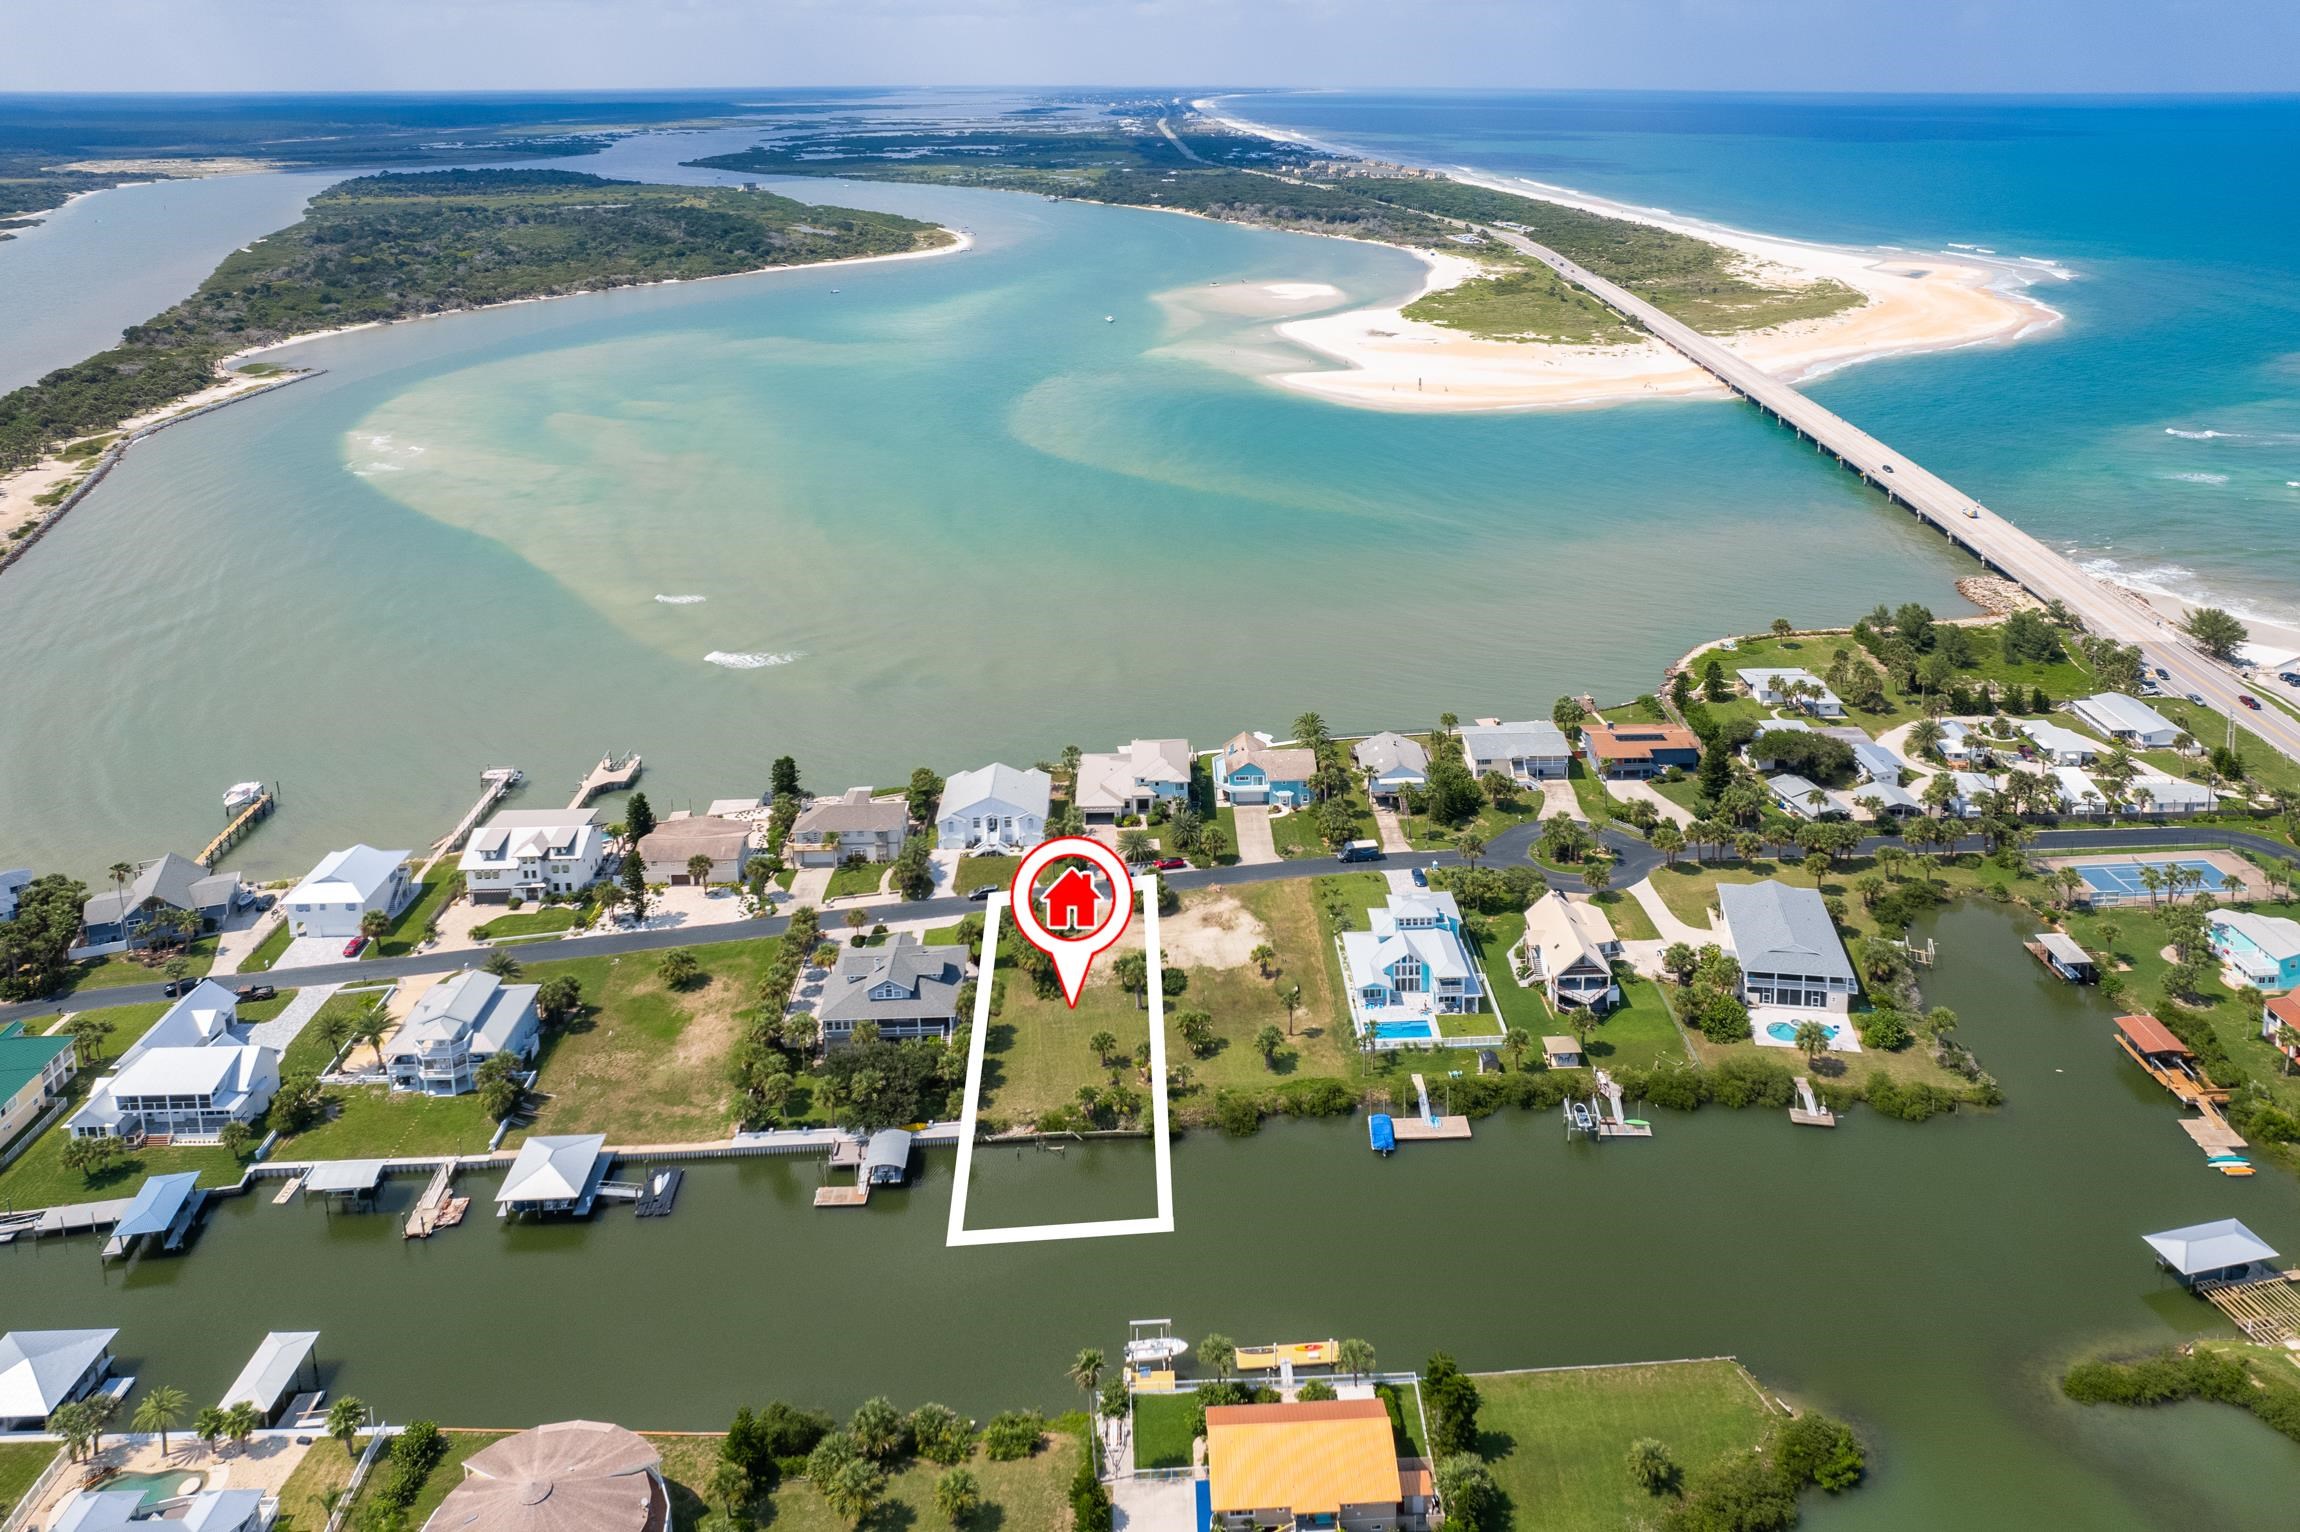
{"points": [[1324, 1464]]}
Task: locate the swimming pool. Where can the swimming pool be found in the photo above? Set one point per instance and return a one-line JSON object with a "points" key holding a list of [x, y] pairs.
{"points": [[1399, 1031], [158, 1486], [2121, 880], [1785, 1032]]}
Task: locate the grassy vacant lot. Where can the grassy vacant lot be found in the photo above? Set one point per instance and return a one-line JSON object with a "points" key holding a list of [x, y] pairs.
{"points": [[2061, 679], [269, 949], [985, 872], [125, 968], [2264, 766], [20, 1464], [1036, 1056], [310, 1491], [443, 1478], [1241, 1001], [375, 1121], [1428, 835], [1032, 1495], [646, 1063], [1557, 1441], [311, 1052]]}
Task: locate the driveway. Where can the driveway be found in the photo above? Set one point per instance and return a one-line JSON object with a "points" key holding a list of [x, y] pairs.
{"points": [[1557, 798], [241, 936], [1643, 792], [1393, 835], [281, 1030], [809, 885], [1664, 920], [1254, 842]]}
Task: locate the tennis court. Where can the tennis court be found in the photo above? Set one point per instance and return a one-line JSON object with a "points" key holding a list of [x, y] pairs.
{"points": [[2119, 881]]}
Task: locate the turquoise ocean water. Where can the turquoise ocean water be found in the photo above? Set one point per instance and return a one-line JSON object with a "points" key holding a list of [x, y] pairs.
{"points": [[942, 511]]}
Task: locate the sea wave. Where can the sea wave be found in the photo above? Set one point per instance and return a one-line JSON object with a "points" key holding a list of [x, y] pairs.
{"points": [[2198, 478], [2179, 582], [682, 600], [2195, 436], [739, 660]]}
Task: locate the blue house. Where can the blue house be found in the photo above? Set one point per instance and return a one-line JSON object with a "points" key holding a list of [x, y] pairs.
{"points": [[1249, 769], [2264, 948]]}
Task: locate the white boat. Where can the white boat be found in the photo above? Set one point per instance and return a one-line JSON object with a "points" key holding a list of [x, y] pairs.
{"points": [[240, 794], [1156, 1348], [1110, 319]]}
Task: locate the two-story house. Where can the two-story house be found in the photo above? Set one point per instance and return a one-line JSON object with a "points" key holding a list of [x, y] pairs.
{"points": [[1568, 950], [192, 1071], [904, 989], [997, 806], [1787, 946], [1392, 763], [335, 896], [459, 1024], [829, 830], [2263, 948], [534, 853], [1412, 966], [34, 1072], [669, 850], [1250, 770], [1526, 752], [1128, 783]]}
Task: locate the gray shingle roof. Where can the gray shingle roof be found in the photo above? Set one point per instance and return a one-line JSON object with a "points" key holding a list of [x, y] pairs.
{"points": [[1775, 928], [929, 977]]}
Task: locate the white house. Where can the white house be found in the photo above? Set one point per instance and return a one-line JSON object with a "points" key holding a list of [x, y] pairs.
{"points": [[2151, 793], [2079, 793], [1796, 796], [2061, 747], [1970, 787], [1788, 686], [459, 1024], [1525, 752], [529, 853], [333, 896], [1787, 946], [1128, 782], [12, 884], [2127, 719], [1411, 967], [1392, 763], [191, 1072], [995, 805], [1569, 948], [1956, 745], [829, 830], [205, 1510]]}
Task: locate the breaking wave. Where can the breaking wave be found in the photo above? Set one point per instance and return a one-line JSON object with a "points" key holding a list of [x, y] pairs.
{"points": [[2194, 436], [2199, 478], [682, 600], [737, 660]]}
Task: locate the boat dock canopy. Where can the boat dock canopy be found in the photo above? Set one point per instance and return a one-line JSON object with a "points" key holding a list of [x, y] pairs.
{"points": [[344, 1177], [2203, 1247], [41, 1369], [154, 1208], [2064, 950], [271, 1372], [2150, 1035], [887, 1158], [555, 1171]]}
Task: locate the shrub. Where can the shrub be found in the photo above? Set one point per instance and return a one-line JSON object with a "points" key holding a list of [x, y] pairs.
{"points": [[1677, 1087], [415, 1452], [1089, 1501], [1884, 1030], [942, 1434], [1813, 1449], [1740, 1082], [1237, 1114], [1012, 1434], [1317, 1390], [1651, 1468], [1738, 1493], [1913, 1102], [1465, 1486]]}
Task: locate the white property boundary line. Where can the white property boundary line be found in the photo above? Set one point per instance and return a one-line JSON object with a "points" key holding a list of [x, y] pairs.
{"points": [[1146, 890]]}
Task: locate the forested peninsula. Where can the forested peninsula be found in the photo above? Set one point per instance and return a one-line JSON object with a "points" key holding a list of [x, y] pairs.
{"points": [[390, 247], [1161, 159]]}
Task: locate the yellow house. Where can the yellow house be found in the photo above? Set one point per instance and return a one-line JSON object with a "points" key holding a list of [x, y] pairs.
{"points": [[1323, 1464], [33, 1072]]}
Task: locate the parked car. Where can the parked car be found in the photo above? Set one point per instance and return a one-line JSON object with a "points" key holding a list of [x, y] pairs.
{"points": [[355, 946], [176, 989], [2197, 698], [982, 893], [2289, 677], [1421, 877], [258, 992], [266, 901], [1171, 863], [2249, 700]]}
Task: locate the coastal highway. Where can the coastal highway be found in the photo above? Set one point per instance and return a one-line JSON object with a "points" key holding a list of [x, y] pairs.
{"points": [[1969, 524], [1634, 861]]}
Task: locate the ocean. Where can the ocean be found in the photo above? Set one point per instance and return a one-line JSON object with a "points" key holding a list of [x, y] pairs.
{"points": [[942, 512]]}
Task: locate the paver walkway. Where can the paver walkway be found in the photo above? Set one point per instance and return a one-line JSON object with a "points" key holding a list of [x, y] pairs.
{"points": [[1254, 842], [1393, 834], [281, 1030], [1643, 792]]}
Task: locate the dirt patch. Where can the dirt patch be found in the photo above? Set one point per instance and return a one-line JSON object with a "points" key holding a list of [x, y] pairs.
{"points": [[1213, 931], [710, 1035]]}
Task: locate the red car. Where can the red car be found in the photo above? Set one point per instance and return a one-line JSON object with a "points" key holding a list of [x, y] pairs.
{"points": [[1170, 864], [2249, 700], [353, 947]]}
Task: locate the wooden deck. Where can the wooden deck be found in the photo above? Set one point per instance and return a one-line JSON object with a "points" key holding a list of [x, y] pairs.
{"points": [[609, 776], [1424, 1129], [494, 782], [2266, 1309], [842, 1196], [1808, 1112], [232, 834], [2212, 1133]]}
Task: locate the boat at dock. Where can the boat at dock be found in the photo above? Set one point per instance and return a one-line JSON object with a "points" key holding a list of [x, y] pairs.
{"points": [[1382, 1132], [240, 794]]}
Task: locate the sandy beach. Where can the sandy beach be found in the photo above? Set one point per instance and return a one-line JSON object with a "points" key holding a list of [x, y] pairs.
{"points": [[1915, 303]]}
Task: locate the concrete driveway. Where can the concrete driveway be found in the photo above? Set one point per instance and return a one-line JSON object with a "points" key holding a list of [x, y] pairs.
{"points": [[1643, 792], [1392, 834], [1557, 798], [1254, 842]]}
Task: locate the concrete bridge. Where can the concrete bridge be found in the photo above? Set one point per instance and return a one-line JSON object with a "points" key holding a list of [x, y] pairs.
{"points": [[1988, 537]]}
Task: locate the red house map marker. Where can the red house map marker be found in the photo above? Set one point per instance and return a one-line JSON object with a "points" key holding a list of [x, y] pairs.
{"points": [[1072, 902]]}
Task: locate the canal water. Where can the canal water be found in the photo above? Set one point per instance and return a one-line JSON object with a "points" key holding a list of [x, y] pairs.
{"points": [[1927, 1281]]}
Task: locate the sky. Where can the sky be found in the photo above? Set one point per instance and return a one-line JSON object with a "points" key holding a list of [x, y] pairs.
{"points": [[1775, 45]]}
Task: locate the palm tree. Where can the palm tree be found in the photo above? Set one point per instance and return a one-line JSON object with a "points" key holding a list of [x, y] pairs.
{"points": [[344, 1418], [1135, 847], [2152, 879], [162, 1410], [1515, 1043], [501, 964], [77, 1425], [1310, 730], [728, 1488], [1925, 739], [1292, 996], [1471, 846], [1355, 1357], [240, 1422], [88, 1029], [1812, 1040], [1597, 872], [2069, 881], [1086, 1373], [1263, 956], [1669, 841], [1220, 1353], [120, 873], [699, 870], [209, 1426], [374, 924], [372, 1026], [1448, 722], [1102, 1043], [957, 1496]]}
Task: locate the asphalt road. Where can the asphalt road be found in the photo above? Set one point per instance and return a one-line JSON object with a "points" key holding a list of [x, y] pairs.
{"points": [[1634, 860]]}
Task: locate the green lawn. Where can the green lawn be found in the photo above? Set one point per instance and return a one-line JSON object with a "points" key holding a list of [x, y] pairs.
{"points": [[1639, 1034], [2264, 766], [123, 968], [436, 1485], [20, 1464], [1162, 1434], [1036, 1056], [310, 1491], [1241, 1001], [541, 921], [269, 949], [985, 872], [1030, 1495], [2061, 679], [847, 882], [377, 1122], [1627, 917], [1567, 1435], [1297, 833], [311, 1052], [413, 921]]}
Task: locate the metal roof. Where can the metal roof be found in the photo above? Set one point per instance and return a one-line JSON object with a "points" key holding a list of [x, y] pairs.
{"points": [[2213, 1246], [889, 1149], [40, 1368], [272, 1371], [156, 1203], [343, 1176], [2065, 948], [554, 1168]]}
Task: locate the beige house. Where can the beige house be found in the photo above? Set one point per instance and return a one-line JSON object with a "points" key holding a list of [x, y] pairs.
{"points": [[1569, 947], [830, 830], [676, 842], [1129, 782]]}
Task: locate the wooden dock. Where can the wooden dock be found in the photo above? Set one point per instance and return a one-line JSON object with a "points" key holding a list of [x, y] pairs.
{"points": [[494, 782], [1429, 1126], [1808, 1112], [842, 1196], [2266, 1309], [438, 1208], [609, 776], [242, 823]]}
